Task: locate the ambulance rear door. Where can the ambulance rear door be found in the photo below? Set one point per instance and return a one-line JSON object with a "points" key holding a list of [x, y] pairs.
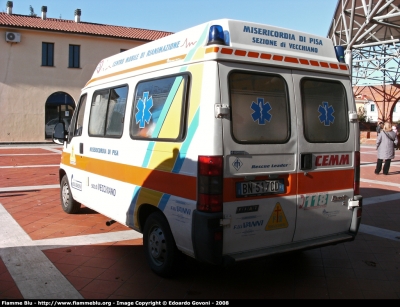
{"points": [[326, 154], [260, 150]]}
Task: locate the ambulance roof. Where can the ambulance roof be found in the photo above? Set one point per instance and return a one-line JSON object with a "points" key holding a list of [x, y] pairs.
{"points": [[226, 39]]}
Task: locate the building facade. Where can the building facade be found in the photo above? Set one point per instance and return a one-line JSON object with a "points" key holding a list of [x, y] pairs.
{"points": [[44, 64], [379, 102]]}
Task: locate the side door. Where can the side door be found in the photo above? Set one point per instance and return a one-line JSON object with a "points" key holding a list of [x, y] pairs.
{"points": [[76, 132], [326, 154], [260, 149], [104, 150]]}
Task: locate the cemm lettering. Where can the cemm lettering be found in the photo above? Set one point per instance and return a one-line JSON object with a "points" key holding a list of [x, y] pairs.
{"points": [[326, 160]]}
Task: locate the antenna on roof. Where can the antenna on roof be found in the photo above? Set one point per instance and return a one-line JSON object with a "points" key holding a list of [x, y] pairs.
{"points": [[32, 11]]}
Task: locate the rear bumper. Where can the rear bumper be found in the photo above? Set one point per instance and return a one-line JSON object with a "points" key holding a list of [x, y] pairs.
{"points": [[303, 245], [356, 219]]}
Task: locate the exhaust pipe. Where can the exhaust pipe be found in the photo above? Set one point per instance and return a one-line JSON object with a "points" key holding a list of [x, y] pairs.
{"points": [[110, 222]]}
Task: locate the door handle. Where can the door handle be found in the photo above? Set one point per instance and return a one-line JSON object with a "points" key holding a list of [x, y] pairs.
{"points": [[305, 161], [81, 148]]}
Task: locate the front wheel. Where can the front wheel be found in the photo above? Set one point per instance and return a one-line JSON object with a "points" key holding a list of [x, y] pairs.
{"points": [[69, 204], [159, 246]]}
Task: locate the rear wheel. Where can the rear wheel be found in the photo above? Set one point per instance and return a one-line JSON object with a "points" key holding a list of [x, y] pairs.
{"points": [[159, 246], [68, 204]]}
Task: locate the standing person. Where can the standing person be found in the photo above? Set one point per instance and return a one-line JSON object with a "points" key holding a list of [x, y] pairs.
{"points": [[379, 128], [398, 135], [395, 130], [385, 147]]}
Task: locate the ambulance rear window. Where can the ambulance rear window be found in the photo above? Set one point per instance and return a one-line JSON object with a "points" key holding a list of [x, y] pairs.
{"points": [[325, 112], [260, 108]]}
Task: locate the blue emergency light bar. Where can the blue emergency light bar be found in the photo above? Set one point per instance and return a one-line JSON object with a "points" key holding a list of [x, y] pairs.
{"points": [[217, 36], [339, 50]]}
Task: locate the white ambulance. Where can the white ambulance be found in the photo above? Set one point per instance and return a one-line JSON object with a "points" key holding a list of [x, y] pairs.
{"points": [[224, 142]]}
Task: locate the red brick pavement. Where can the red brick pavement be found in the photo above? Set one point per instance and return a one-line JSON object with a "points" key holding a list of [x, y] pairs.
{"points": [[40, 214], [33, 176], [8, 288], [45, 159]]}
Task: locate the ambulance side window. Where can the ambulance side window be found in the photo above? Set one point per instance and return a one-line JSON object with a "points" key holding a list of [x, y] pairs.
{"points": [[116, 111], [80, 115], [159, 108], [107, 112], [325, 112], [260, 108]]}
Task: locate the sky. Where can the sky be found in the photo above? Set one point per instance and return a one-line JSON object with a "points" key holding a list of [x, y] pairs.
{"points": [[310, 16]]}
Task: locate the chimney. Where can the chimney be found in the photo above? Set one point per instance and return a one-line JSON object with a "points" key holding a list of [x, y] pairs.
{"points": [[77, 15], [9, 7], [44, 11]]}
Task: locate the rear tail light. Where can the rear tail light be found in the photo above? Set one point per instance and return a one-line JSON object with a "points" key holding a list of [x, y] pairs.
{"points": [[209, 187], [356, 173]]}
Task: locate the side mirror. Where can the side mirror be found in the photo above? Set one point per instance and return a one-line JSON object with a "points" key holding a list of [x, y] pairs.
{"points": [[59, 135]]}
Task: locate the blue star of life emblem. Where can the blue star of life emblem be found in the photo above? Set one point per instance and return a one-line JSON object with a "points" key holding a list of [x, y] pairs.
{"points": [[237, 164], [326, 114], [261, 111], [143, 106]]}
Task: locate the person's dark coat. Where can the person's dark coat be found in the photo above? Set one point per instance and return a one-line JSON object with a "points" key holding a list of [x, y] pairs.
{"points": [[385, 145]]}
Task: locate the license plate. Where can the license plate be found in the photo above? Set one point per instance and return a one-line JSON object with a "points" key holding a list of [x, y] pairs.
{"points": [[261, 187]]}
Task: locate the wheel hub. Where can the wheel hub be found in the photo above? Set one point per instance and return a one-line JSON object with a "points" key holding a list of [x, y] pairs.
{"points": [[65, 195], [157, 245]]}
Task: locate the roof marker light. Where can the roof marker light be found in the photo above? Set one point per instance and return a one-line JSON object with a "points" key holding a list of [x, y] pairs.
{"points": [[339, 50], [227, 37], [216, 35]]}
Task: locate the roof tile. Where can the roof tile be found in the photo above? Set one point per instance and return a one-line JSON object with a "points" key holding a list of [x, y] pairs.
{"points": [[63, 25]]}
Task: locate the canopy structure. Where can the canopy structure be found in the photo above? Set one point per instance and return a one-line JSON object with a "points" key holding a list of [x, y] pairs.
{"points": [[370, 32]]}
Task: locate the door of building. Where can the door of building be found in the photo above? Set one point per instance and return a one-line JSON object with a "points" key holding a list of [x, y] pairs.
{"points": [[59, 108]]}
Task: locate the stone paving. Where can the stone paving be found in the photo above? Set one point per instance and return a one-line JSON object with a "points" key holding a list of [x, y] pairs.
{"points": [[48, 254]]}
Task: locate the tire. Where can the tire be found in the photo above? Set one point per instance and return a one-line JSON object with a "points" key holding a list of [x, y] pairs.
{"points": [[68, 204], [160, 249]]}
